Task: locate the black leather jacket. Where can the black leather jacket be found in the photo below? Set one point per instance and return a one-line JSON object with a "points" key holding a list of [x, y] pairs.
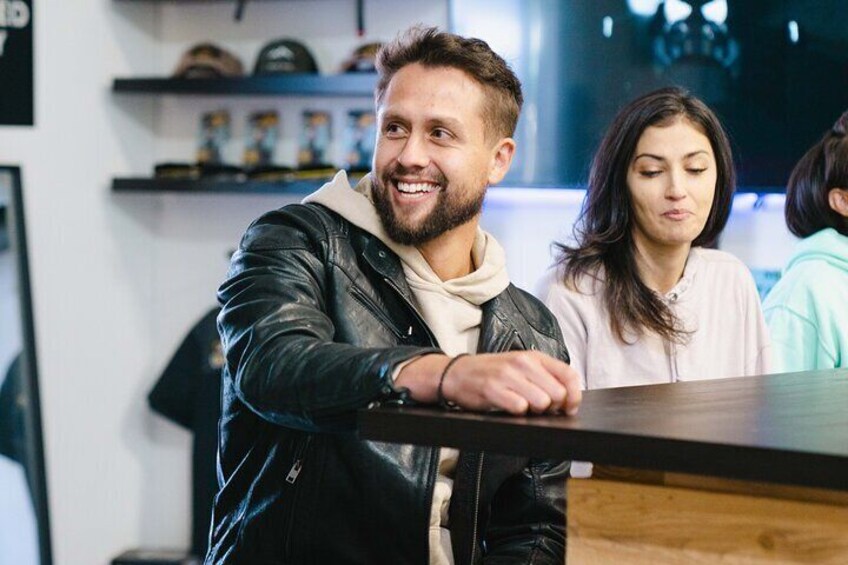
{"points": [[316, 314]]}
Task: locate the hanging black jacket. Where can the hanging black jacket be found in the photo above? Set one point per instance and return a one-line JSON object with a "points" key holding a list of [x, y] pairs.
{"points": [[188, 392], [316, 314]]}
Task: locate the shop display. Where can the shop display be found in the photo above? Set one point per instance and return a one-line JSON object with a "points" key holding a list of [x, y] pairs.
{"points": [[170, 170], [315, 139], [363, 59], [261, 139], [284, 56], [360, 138], [271, 173], [207, 60], [213, 134]]}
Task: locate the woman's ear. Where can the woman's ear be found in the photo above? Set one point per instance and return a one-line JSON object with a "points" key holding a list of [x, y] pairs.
{"points": [[838, 200]]}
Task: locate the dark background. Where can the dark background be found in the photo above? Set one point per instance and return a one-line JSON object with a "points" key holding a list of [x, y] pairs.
{"points": [[16, 72], [777, 100]]}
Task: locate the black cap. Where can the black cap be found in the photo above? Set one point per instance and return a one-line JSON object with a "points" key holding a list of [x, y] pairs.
{"points": [[284, 56]]}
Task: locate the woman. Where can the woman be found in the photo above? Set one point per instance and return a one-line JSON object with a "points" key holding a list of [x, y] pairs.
{"points": [[807, 310], [639, 297]]}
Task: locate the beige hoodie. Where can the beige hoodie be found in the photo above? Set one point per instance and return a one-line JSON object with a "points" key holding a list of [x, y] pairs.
{"points": [[450, 308]]}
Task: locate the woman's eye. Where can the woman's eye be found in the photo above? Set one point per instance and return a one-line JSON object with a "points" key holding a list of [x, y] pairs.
{"points": [[696, 171], [650, 174]]}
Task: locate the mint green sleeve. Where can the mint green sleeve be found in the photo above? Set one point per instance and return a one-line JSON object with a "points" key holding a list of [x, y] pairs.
{"points": [[796, 344]]}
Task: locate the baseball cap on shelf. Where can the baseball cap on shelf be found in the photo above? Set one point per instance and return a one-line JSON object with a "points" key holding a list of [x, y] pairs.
{"points": [[222, 172], [174, 170], [317, 170], [270, 173], [363, 59], [207, 60], [284, 56]]}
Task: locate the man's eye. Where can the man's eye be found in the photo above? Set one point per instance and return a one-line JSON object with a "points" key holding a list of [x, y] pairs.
{"points": [[440, 133], [392, 129]]}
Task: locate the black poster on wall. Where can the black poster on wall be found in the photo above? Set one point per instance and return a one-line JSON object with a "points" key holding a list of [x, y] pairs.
{"points": [[16, 84]]}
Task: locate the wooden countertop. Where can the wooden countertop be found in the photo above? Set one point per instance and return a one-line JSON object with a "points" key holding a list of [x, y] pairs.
{"points": [[789, 428]]}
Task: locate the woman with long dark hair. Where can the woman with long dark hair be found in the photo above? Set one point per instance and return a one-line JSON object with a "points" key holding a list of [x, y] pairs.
{"points": [[640, 297], [807, 310]]}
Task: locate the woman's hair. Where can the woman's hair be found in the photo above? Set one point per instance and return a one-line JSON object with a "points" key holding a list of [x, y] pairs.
{"points": [[604, 231], [822, 168]]}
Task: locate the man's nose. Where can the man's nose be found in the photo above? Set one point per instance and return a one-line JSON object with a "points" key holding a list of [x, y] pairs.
{"points": [[414, 153]]}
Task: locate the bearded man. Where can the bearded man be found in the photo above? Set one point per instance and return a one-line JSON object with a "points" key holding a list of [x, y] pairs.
{"points": [[390, 292]]}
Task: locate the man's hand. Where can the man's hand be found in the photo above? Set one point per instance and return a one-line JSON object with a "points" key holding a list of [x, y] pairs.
{"points": [[516, 382]]}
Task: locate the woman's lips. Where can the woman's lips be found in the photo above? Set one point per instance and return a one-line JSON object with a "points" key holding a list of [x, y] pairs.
{"points": [[677, 215]]}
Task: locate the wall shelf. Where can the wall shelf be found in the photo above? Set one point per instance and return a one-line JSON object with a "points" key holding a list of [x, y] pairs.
{"points": [[195, 186], [307, 186], [352, 84]]}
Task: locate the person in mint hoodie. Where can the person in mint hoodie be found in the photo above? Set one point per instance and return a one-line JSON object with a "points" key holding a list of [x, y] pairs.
{"points": [[807, 310]]}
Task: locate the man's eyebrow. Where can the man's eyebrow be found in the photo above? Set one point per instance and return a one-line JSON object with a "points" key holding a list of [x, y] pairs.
{"points": [[438, 120], [390, 115], [452, 123]]}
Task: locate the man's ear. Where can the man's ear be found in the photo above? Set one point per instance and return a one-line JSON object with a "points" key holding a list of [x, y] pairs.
{"points": [[501, 160], [838, 200]]}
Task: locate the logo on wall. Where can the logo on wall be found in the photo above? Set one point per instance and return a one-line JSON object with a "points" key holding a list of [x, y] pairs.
{"points": [[16, 82]]}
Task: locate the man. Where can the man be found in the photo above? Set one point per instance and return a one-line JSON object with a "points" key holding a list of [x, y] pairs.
{"points": [[378, 294]]}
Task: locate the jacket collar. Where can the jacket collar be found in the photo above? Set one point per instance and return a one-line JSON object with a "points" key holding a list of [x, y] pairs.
{"points": [[385, 262], [498, 331]]}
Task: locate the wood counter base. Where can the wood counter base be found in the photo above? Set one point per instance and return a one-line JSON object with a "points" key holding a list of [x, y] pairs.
{"points": [[650, 517]]}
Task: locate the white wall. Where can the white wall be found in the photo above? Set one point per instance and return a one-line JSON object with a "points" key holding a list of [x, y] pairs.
{"points": [[119, 278]]}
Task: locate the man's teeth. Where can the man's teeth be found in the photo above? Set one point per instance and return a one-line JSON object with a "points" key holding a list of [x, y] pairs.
{"points": [[415, 188]]}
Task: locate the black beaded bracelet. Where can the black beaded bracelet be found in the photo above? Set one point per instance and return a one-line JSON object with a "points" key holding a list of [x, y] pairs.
{"points": [[444, 402]]}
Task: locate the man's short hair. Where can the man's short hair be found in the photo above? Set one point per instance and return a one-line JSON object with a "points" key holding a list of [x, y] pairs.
{"points": [[433, 48]]}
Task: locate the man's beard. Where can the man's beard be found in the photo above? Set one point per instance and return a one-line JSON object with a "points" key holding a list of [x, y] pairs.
{"points": [[452, 209]]}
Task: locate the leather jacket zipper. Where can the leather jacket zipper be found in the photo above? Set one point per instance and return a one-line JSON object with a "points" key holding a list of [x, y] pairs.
{"points": [[434, 459], [502, 346], [476, 507], [376, 311], [294, 472], [299, 456], [414, 311]]}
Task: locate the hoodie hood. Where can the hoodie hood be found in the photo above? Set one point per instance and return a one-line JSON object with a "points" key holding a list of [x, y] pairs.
{"points": [[826, 245], [489, 279]]}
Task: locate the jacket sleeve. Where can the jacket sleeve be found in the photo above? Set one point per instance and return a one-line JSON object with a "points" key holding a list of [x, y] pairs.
{"points": [[278, 338], [797, 345], [528, 517], [527, 522]]}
